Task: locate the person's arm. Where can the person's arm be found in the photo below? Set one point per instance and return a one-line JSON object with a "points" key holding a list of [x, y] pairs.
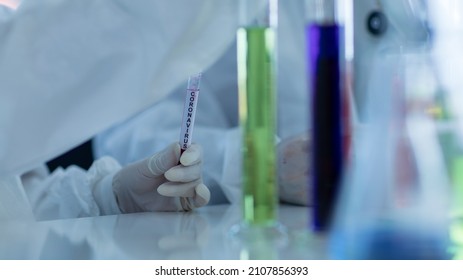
{"points": [[69, 193], [165, 181]]}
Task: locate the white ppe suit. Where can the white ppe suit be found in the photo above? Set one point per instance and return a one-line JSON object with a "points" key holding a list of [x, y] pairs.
{"points": [[69, 69], [216, 126]]}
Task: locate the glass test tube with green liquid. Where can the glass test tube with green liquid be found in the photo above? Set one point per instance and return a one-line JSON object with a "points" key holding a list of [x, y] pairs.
{"points": [[257, 110]]}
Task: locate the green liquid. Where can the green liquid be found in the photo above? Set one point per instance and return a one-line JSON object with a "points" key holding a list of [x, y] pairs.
{"points": [[257, 94]]}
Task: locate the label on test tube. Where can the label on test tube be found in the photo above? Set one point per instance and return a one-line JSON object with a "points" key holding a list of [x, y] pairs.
{"points": [[189, 111]]}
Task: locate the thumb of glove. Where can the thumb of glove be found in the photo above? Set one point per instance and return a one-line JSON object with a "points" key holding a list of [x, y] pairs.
{"points": [[159, 163]]}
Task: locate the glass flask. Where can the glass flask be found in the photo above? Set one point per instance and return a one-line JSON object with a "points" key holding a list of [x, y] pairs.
{"points": [[395, 201]]}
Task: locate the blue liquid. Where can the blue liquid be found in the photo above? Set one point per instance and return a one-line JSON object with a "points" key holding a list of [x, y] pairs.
{"points": [[389, 243], [324, 76]]}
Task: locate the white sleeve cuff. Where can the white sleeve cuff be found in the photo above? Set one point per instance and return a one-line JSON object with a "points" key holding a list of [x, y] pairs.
{"points": [[101, 175], [104, 196]]}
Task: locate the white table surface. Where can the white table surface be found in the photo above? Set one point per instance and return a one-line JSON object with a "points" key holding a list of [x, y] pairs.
{"points": [[202, 234]]}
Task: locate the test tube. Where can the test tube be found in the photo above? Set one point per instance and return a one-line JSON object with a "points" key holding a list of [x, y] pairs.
{"points": [[189, 111], [256, 43], [324, 46]]}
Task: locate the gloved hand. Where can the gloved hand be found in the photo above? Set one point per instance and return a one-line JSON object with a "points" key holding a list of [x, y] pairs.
{"points": [[160, 183], [294, 170]]}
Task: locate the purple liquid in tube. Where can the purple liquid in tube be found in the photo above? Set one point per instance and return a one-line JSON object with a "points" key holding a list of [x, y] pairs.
{"points": [[324, 77]]}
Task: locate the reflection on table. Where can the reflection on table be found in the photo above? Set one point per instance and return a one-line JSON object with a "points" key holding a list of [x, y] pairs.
{"points": [[202, 234]]}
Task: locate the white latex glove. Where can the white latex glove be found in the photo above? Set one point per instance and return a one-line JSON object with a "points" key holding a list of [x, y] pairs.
{"points": [[294, 170], [160, 183]]}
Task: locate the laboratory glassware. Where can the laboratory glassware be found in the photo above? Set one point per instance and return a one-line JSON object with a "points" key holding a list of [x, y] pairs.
{"points": [[256, 53], [325, 45], [395, 201]]}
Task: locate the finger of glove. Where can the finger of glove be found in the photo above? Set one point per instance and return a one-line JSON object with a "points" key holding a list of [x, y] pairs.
{"points": [[184, 174], [159, 163], [201, 198], [173, 189], [192, 155]]}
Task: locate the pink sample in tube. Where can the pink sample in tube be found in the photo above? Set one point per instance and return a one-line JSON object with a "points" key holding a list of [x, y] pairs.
{"points": [[189, 111]]}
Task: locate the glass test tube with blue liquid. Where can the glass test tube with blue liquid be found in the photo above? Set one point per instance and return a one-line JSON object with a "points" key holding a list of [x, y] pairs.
{"points": [[256, 43], [324, 45]]}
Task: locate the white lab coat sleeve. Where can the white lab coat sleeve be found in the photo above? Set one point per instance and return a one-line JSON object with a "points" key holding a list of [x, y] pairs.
{"points": [[73, 192]]}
